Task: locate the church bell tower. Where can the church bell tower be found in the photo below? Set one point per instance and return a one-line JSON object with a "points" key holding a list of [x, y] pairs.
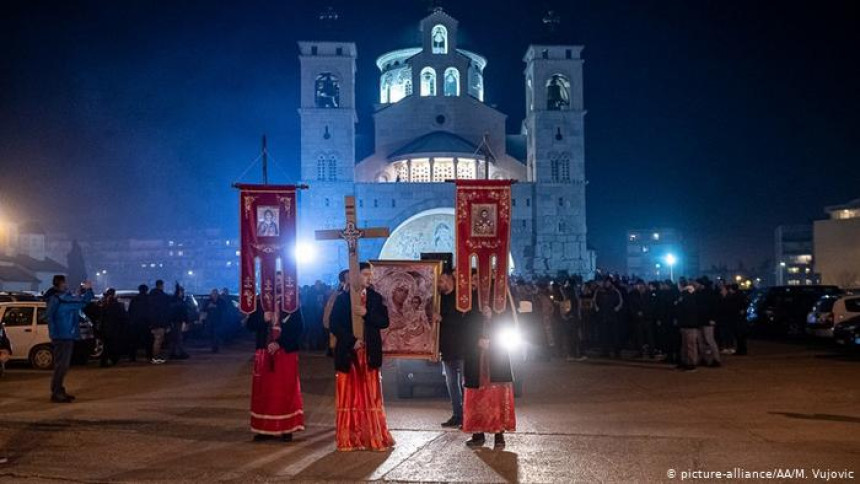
{"points": [[556, 158], [327, 111]]}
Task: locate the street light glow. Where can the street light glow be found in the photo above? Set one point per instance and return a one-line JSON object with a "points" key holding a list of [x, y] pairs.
{"points": [[306, 252], [671, 259]]}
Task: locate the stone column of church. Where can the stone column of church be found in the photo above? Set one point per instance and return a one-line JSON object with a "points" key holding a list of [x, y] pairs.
{"points": [[409, 164], [432, 169], [456, 168]]}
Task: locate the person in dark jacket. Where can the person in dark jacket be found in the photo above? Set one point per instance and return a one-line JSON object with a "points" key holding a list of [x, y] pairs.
{"points": [[707, 300], [159, 320], [641, 311], [113, 328], [179, 318], [451, 344], [218, 315], [571, 313], [687, 313], [488, 401], [139, 335], [742, 330], [5, 349], [361, 422], [608, 304], [64, 326], [276, 395]]}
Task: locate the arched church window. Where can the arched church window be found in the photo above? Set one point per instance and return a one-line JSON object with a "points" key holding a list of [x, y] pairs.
{"points": [[428, 81], [452, 82], [476, 82], [327, 91], [439, 39], [385, 88], [558, 93]]}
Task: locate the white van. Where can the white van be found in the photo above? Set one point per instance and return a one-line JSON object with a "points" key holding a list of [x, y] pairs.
{"points": [[831, 311], [30, 339]]}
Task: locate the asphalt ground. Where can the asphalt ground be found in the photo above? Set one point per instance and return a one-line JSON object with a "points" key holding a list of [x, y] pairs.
{"points": [[788, 407]]}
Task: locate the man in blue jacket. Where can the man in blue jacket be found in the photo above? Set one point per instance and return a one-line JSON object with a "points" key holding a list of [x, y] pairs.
{"points": [[64, 327]]}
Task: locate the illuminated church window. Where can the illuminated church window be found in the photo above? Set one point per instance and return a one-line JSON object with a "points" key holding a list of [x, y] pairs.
{"points": [[439, 39], [466, 168], [327, 91], [428, 82], [558, 93], [443, 169], [421, 170], [452, 82]]}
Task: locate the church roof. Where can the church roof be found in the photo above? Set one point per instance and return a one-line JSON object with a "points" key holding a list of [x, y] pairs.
{"points": [[436, 142]]}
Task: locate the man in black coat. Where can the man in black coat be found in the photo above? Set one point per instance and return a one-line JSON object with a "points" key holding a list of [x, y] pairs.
{"points": [[113, 328], [608, 303], [362, 425], [687, 312], [159, 320], [452, 335], [138, 315]]}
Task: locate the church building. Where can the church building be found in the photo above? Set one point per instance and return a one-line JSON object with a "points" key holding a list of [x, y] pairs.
{"points": [[431, 125]]}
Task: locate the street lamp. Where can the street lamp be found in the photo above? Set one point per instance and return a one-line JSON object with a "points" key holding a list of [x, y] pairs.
{"points": [[671, 260]]}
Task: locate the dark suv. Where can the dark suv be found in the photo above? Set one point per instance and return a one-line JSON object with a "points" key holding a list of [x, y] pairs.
{"points": [[782, 310]]}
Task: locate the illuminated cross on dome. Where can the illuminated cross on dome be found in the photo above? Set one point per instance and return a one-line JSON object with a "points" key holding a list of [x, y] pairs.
{"points": [[351, 233]]}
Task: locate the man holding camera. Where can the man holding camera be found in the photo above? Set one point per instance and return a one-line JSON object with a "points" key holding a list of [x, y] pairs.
{"points": [[64, 327]]}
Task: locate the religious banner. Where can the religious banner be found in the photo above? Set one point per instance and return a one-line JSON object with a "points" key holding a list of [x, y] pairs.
{"points": [[483, 233], [411, 294], [267, 215]]}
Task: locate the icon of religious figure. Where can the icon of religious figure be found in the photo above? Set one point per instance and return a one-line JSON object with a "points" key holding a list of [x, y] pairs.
{"points": [[483, 220], [267, 221]]}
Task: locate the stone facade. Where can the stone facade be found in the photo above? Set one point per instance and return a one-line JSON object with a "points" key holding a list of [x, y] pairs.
{"points": [[431, 125]]}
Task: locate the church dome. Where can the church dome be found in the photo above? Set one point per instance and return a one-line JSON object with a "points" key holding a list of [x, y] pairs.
{"points": [[438, 67]]}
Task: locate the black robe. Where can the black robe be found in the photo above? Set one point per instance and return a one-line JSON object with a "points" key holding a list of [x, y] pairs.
{"points": [[291, 329], [500, 360], [341, 326]]}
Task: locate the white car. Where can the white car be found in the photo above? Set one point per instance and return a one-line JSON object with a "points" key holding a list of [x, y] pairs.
{"points": [[831, 311], [30, 339]]}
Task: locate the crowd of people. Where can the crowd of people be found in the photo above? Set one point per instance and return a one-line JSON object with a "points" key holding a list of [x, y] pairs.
{"points": [[688, 323]]}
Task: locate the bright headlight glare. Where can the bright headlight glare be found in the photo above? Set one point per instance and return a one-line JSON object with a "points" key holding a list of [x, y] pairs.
{"points": [[510, 338]]}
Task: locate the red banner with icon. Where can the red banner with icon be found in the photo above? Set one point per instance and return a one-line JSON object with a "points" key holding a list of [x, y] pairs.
{"points": [[483, 233], [267, 215]]}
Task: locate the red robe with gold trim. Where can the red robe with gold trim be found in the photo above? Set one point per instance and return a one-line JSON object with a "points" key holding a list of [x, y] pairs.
{"points": [[361, 422], [276, 394]]}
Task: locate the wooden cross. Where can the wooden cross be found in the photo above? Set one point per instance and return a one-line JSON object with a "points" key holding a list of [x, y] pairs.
{"points": [[351, 233]]}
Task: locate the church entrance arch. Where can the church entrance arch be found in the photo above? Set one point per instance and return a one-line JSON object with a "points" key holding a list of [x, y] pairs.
{"points": [[428, 231]]}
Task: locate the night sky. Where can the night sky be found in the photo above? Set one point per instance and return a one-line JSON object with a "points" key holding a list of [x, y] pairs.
{"points": [[721, 118]]}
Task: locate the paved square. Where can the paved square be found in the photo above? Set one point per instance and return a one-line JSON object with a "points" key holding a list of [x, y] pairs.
{"points": [[787, 406]]}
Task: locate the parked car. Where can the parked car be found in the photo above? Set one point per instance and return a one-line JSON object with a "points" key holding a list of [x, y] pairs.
{"points": [[13, 296], [831, 311], [782, 310], [29, 335], [848, 332]]}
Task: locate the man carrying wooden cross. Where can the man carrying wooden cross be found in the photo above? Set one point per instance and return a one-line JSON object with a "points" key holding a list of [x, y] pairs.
{"points": [[356, 320]]}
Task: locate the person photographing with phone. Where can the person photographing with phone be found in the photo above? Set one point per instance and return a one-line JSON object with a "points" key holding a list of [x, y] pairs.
{"points": [[64, 327]]}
